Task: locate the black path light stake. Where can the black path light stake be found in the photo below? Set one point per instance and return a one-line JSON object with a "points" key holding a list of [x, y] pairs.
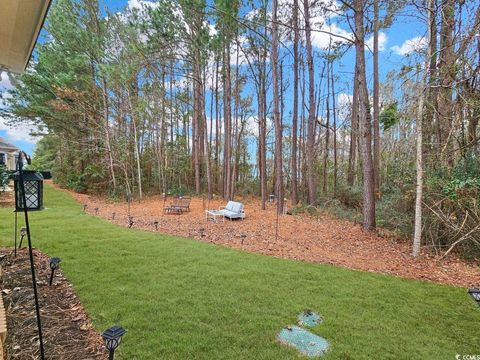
{"points": [[155, 223], [475, 294], [202, 232], [243, 236], [23, 233], [112, 338], [96, 211], [28, 187], [113, 216], [130, 221], [54, 263]]}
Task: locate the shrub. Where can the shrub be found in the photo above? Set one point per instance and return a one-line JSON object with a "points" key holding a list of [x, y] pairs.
{"points": [[4, 173]]}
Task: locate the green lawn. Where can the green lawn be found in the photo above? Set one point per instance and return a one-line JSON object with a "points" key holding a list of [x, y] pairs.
{"points": [[183, 299]]}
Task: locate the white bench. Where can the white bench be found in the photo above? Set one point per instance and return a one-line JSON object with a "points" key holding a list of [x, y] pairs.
{"points": [[233, 210]]}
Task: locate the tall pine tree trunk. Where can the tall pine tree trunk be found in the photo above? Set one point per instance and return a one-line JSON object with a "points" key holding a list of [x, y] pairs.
{"points": [[276, 112], [364, 121], [376, 100], [310, 151], [295, 104], [417, 237], [227, 97], [352, 159]]}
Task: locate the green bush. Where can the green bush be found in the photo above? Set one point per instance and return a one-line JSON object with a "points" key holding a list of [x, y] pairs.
{"points": [[4, 173], [350, 196]]}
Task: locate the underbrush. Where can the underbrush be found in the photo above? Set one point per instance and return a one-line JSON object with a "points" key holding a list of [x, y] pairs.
{"points": [[451, 207]]}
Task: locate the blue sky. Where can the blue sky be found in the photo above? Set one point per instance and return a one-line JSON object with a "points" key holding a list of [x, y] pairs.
{"points": [[396, 44]]}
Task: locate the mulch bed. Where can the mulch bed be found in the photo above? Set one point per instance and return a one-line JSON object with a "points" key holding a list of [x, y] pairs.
{"points": [[7, 199], [67, 331], [318, 239]]}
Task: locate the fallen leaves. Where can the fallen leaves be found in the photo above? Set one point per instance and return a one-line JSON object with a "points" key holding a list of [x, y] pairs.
{"points": [[319, 239]]}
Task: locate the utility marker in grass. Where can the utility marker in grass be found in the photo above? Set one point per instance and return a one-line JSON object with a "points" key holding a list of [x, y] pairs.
{"points": [[475, 294]]}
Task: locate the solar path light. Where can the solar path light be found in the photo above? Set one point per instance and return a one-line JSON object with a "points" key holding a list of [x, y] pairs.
{"points": [[112, 338], [54, 263], [23, 233]]}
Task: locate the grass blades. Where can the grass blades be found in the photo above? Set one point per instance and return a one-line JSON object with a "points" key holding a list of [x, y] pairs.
{"points": [[184, 299]]}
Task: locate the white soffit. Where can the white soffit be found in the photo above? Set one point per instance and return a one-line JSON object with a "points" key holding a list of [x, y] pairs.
{"points": [[20, 24]]}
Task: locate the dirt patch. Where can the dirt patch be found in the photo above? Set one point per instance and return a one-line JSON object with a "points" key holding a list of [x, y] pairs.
{"points": [[67, 331], [318, 239]]}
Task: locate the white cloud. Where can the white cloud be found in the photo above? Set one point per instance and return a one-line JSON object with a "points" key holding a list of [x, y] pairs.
{"points": [[344, 105], [212, 30], [19, 132], [5, 82], [325, 32], [382, 40], [141, 4], [238, 48], [181, 83], [327, 37], [415, 44], [252, 126]]}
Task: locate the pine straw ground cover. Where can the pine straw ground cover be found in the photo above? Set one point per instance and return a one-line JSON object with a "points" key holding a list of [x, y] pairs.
{"points": [[180, 298], [67, 331], [319, 239]]}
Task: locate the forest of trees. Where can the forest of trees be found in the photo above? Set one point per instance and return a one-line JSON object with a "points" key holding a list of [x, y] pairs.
{"points": [[232, 98]]}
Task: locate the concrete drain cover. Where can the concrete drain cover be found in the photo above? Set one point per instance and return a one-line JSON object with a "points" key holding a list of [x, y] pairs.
{"points": [[304, 341], [309, 318]]}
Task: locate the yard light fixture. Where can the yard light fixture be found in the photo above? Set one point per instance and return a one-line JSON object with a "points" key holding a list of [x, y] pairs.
{"points": [[23, 233], [113, 215], [96, 211], [202, 233], [130, 221], [243, 236], [475, 294], [54, 263], [33, 186], [155, 223], [112, 338]]}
